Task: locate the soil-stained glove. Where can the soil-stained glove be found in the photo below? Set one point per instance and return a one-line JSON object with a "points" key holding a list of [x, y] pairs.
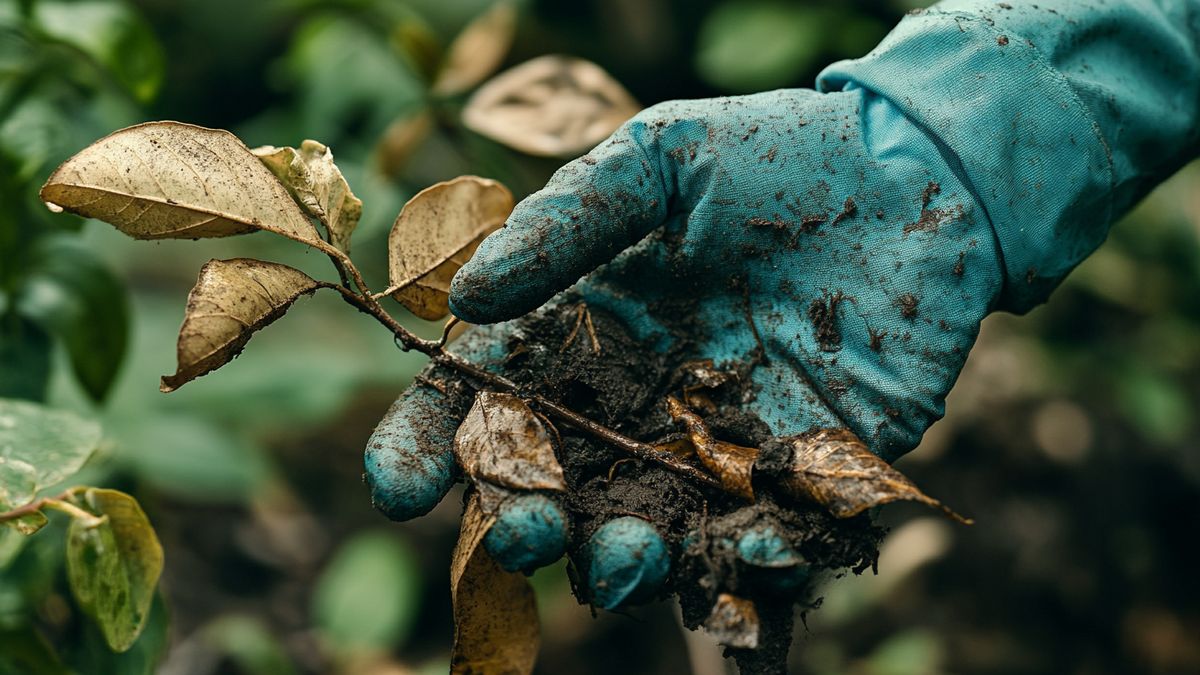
{"points": [[858, 234]]}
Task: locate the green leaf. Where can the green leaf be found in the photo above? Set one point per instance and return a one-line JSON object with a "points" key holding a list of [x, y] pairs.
{"points": [[141, 659], [73, 295], [249, 644], [111, 33], [40, 447], [25, 357], [367, 597], [25, 651], [113, 565], [751, 46], [347, 72]]}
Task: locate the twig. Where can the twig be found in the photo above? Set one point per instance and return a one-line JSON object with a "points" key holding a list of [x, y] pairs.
{"points": [[367, 303], [454, 321], [59, 502]]}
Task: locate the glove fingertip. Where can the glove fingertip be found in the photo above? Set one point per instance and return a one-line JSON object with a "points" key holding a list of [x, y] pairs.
{"points": [[530, 532], [629, 562], [409, 462]]}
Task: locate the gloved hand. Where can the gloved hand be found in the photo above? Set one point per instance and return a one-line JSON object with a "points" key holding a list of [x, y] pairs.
{"points": [[859, 235], [864, 266]]}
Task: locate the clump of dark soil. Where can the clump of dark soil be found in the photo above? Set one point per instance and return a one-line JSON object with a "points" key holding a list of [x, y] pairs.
{"points": [[591, 364]]}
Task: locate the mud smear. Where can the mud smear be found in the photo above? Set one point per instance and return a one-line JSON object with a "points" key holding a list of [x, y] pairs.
{"points": [[605, 374]]}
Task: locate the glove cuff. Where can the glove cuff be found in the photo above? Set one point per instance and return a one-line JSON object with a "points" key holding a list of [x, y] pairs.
{"points": [[1012, 127]]}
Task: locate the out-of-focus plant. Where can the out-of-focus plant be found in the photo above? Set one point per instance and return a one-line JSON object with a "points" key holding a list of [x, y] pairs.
{"points": [[67, 70]]}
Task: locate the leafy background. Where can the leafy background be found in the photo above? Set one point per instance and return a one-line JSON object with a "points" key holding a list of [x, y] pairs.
{"points": [[1072, 437]]}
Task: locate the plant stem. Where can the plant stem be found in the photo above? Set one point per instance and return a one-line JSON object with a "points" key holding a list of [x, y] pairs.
{"points": [[59, 502], [434, 349]]}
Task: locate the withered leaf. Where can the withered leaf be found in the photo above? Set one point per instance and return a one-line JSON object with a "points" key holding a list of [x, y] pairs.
{"points": [[833, 468], [478, 50], [169, 180], [734, 622], [401, 139], [317, 184], [496, 628], [501, 441], [552, 106], [436, 233], [732, 464], [230, 301]]}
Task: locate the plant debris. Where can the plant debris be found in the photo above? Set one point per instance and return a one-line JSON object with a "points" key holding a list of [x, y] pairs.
{"points": [[833, 468], [496, 628]]}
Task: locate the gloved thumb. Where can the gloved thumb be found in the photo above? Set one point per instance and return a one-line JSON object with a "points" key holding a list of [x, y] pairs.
{"points": [[591, 210]]}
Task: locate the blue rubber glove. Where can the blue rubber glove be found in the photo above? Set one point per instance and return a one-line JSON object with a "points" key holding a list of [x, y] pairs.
{"points": [[859, 233]]}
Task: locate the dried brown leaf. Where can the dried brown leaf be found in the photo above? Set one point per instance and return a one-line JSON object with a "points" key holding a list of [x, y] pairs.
{"points": [[552, 106], [436, 233], [230, 301], [732, 464], [169, 180], [734, 622], [833, 468], [317, 184], [501, 441], [478, 50], [495, 616], [401, 139]]}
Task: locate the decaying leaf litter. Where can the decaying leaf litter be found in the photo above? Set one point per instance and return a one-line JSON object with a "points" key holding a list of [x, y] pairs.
{"points": [[579, 409]]}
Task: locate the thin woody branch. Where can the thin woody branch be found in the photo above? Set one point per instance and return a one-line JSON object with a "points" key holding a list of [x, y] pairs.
{"points": [[434, 349]]}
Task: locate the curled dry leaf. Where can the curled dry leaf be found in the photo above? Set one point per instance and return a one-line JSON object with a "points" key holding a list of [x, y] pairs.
{"points": [[734, 622], [495, 616], [478, 50], [732, 464], [502, 442], [230, 301], [317, 184], [169, 180], [833, 468], [552, 106], [436, 233]]}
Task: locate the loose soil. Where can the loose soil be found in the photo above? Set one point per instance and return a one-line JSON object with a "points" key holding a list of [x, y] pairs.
{"points": [[617, 381]]}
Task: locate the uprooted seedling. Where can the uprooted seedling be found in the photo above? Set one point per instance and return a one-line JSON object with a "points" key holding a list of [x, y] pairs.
{"points": [[579, 409]]}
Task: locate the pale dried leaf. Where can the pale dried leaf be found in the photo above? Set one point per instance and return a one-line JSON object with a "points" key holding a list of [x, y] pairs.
{"points": [[436, 233], [553, 106], [732, 464], [169, 180], [230, 301], [317, 184], [833, 468], [401, 139], [734, 622], [478, 50], [495, 616], [503, 442]]}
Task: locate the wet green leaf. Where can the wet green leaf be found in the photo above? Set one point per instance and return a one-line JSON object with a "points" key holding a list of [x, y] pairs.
{"points": [[40, 447], [113, 566], [368, 595], [73, 295]]}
